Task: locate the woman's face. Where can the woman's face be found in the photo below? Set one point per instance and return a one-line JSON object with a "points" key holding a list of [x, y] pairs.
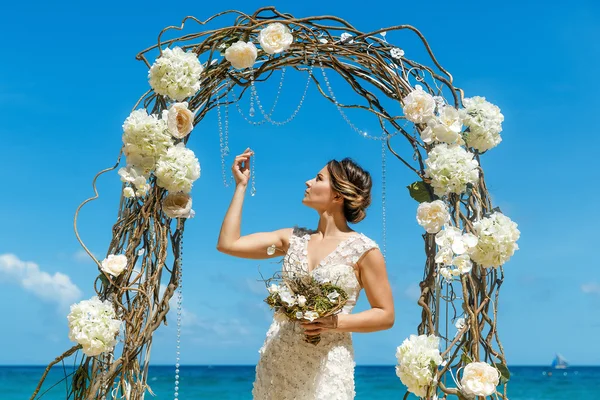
{"points": [[318, 194]]}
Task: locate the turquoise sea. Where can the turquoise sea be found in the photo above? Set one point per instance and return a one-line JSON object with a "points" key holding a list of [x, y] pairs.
{"points": [[372, 383]]}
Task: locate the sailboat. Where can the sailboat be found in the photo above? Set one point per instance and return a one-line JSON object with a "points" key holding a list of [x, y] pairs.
{"points": [[559, 362]]}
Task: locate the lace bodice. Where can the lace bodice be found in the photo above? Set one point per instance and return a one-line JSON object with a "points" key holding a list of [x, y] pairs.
{"points": [[291, 369], [337, 267]]}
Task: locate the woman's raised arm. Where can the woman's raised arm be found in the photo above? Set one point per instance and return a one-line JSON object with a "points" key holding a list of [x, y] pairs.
{"points": [[230, 239]]}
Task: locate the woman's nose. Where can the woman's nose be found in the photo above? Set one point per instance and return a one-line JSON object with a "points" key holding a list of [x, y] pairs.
{"points": [[307, 183]]}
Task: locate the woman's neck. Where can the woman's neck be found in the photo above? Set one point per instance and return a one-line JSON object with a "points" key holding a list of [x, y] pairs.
{"points": [[333, 225]]}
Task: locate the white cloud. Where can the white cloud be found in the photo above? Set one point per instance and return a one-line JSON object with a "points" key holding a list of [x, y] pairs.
{"points": [[591, 287], [56, 288]]}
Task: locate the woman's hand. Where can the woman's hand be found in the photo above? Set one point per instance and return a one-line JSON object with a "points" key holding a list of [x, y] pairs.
{"points": [[320, 325], [241, 167]]}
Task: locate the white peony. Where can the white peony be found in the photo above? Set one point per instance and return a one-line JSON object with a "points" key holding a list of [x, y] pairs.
{"points": [[93, 324], [241, 54], [484, 121], [418, 358], [180, 120], [176, 74], [419, 106], [177, 170], [453, 238], [432, 216], [497, 240], [311, 315], [275, 38], [479, 379], [146, 138], [177, 205], [114, 264], [451, 168]]}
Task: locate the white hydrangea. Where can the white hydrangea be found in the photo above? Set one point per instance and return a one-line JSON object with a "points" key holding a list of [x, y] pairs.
{"points": [[177, 170], [146, 138], [451, 168], [444, 128], [418, 359], [479, 379], [484, 120], [176, 74], [419, 106], [432, 216], [497, 240], [93, 324]]}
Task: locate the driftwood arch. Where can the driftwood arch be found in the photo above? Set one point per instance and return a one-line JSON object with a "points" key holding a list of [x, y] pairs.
{"points": [[152, 241]]}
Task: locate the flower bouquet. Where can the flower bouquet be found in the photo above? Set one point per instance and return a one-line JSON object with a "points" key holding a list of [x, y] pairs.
{"points": [[301, 297]]}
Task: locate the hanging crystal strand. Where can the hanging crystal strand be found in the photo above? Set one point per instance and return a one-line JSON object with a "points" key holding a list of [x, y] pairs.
{"points": [[256, 123], [383, 193], [268, 116], [179, 308], [224, 137], [253, 173]]}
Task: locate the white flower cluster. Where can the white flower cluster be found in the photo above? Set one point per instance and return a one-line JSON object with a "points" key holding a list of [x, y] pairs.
{"points": [[479, 379], [445, 127], [273, 39], [176, 74], [498, 236], [451, 168], [484, 121], [432, 216], [93, 324], [418, 359], [149, 145], [454, 248], [177, 170]]}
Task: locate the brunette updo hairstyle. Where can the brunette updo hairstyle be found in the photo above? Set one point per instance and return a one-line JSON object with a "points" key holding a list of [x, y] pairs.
{"points": [[354, 184]]}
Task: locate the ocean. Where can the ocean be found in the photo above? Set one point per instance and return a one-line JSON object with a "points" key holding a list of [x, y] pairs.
{"points": [[372, 383]]}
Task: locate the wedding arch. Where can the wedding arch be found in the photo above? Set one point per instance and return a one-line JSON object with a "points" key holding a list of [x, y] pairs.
{"points": [[466, 240]]}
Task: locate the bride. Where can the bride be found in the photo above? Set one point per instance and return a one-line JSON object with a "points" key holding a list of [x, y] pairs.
{"points": [[289, 367]]}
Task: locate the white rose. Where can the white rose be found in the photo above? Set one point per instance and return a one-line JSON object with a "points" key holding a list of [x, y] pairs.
{"points": [[177, 205], [419, 106], [241, 54], [275, 38], [114, 264], [301, 300], [180, 120], [311, 315], [463, 263], [432, 216], [479, 379]]}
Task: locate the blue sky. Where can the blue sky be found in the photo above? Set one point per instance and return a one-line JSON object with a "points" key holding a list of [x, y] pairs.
{"points": [[69, 79]]}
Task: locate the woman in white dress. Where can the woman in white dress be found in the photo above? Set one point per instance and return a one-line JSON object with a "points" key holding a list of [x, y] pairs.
{"points": [[290, 368]]}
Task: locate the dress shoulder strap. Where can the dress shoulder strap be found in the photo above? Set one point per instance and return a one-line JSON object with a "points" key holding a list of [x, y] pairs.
{"points": [[361, 246]]}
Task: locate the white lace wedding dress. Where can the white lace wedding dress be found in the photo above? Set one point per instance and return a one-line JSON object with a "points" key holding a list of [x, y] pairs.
{"points": [[291, 369]]}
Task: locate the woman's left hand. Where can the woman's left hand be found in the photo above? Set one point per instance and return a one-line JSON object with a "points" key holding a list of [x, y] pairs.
{"points": [[320, 325]]}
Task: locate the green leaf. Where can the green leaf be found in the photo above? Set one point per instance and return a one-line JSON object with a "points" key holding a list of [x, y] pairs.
{"points": [[466, 359], [504, 372], [104, 280], [418, 191]]}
